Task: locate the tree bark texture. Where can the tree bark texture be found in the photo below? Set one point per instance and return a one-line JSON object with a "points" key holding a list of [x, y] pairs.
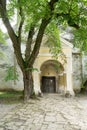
{"points": [[28, 85]]}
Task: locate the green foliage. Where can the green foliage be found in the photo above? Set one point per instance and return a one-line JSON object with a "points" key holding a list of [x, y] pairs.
{"points": [[62, 6], [80, 39], [31, 69], [53, 41], [10, 96], [2, 37], [65, 12], [32, 11], [2, 41], [12, 74], [58, 67]]}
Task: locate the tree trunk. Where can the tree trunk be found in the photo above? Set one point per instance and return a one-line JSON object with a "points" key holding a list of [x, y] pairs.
{"points": [[28, 85]]}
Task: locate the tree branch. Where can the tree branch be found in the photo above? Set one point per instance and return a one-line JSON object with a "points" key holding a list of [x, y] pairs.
{"points": [[29, 43], [38, 41], [74, 25], [12, 35], [51, 4], [69, 20], [3, 3], [21, 22], [20, 30], [5, 19], [45, 22]]}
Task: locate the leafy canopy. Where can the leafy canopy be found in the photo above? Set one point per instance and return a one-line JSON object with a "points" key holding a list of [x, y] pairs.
{"points": [[29, 14]]}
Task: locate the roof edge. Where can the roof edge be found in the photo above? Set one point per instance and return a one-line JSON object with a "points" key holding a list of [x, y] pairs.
{"points": [[66, 42]]}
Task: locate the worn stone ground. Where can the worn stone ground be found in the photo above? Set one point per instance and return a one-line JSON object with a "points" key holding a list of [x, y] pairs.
{"points": [[5, 108], [51, 112]]}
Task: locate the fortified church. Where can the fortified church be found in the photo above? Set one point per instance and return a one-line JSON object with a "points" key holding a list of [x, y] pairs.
{"points": [[47, 79]]}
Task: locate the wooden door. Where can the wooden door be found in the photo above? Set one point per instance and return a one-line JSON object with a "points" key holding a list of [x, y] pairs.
{"points": [[48, 84]]}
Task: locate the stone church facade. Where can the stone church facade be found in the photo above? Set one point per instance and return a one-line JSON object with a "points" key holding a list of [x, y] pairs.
{"points": [[48, 78]]}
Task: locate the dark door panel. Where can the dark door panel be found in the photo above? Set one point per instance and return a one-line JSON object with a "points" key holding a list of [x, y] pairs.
{"points": [[48, 84]]}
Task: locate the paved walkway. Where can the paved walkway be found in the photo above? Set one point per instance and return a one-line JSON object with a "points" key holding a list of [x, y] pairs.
{"points": [[5, 108], [52, 112]]}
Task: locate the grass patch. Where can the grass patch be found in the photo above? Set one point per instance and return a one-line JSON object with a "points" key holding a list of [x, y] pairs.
{"points": [[11, 97]]}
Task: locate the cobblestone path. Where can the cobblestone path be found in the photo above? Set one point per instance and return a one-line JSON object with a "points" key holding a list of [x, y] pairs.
{"points": [[51, 112]]}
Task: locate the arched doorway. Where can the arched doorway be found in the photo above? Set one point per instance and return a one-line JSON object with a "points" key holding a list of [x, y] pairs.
{"points": [[50, 71]]}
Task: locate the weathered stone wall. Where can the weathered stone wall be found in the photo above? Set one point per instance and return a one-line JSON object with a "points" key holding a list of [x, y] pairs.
{"points": [[6, 60], [84, 69], [77, 71]]}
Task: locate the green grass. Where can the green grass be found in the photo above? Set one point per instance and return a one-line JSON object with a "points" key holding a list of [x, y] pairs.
{"points": [[11, 97]]}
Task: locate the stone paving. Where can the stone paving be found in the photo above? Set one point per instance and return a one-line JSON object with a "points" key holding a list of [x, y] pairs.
{"points": [[5, 108], [51, 112]]}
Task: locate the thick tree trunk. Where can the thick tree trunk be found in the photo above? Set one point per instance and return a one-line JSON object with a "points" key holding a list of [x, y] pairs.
{"points": [[28, 85]]}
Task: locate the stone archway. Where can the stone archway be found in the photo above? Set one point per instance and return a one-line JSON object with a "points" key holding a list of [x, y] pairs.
{"points": [[52, 76]]}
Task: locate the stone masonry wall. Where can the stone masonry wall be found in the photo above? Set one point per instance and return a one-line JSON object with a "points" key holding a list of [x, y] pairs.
{"points": [[77, 71]]}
